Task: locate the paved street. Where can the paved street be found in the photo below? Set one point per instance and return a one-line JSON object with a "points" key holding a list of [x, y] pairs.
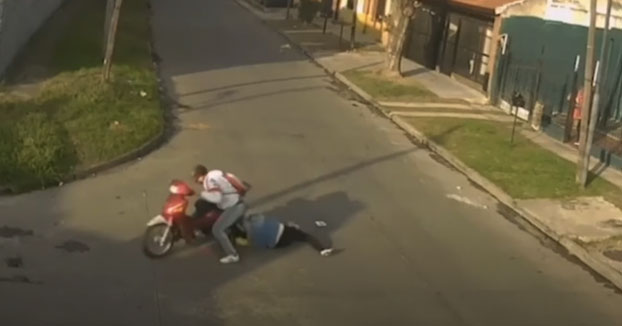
{"points": [[421, 245]]}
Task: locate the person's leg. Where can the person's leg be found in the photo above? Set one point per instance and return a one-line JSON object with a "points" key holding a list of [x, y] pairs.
{"points": [[237, 231], [294, 234], [313, 241], [287, 237], [228, 218], [201, 207]]}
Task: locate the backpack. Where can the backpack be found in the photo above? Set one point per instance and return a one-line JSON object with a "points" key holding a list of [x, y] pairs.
{"points": [[240, 186]]}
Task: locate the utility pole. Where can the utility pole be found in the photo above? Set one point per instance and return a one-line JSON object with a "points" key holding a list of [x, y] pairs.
{"points": [[112, 33], [593, 117], [583, 162]]}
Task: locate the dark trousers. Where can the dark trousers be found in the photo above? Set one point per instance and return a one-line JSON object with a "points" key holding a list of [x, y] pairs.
{"points": [[202, 207], [291, 235]]}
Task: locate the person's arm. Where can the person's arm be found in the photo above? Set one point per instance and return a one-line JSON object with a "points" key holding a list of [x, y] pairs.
{"points": [[212, 192]]}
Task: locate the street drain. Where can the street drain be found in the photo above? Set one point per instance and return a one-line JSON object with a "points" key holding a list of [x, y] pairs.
{"points": [[14, 262]]}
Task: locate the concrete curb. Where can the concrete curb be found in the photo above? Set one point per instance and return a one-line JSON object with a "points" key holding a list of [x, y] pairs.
{"points": [[593, 262], [426, 105], [596, 264]]}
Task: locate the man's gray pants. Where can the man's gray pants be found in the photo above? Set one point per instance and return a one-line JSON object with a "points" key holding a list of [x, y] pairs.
{"points": [[228, 218]]}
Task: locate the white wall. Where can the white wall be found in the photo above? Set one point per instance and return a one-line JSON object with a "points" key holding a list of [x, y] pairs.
{"points": [[574, 12], [19, 20]]}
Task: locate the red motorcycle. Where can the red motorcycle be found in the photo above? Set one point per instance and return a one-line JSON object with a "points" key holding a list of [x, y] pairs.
{"points": [[172, 225]]}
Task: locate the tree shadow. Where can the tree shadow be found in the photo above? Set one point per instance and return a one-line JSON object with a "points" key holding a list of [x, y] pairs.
{"points": [[415, 72], [329, 176], [267, 81], [335, 208], [181, 289], [221, 99], [440, 138], [595, 172], [72, 39]]}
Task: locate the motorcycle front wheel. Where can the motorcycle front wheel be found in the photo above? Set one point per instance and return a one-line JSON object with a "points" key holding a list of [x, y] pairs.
{"points": [[158, 240]]}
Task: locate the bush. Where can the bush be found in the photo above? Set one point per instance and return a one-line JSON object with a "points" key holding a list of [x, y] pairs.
{"points": [[308, 10]]}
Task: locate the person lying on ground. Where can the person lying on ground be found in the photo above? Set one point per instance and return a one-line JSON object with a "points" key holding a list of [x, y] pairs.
{"points": [[269, 233]]}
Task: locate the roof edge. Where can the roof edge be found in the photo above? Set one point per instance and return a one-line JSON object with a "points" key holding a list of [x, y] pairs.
{"points": [[501, 9]]}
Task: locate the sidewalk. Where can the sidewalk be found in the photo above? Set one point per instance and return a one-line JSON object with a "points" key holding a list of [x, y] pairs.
{"points": [[590, 228], [369, 54]]}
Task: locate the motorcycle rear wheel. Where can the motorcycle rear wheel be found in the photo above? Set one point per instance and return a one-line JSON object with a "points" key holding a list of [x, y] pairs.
{"points": [[152, 246]]}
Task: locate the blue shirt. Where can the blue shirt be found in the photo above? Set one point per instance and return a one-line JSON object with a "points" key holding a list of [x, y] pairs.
{"points": [[263, 232]]}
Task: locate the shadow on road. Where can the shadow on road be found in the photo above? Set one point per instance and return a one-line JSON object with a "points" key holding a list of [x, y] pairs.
{"points": [[182, 289]]}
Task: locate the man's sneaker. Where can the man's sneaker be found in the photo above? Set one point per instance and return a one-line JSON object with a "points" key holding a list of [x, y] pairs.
{"points": [[241, 241], [293, 225], [230, 259], [327, 252]]}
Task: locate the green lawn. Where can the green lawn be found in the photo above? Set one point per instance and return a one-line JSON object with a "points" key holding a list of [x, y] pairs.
{"points": [[386, 89], [524, 170], [75, 121]]}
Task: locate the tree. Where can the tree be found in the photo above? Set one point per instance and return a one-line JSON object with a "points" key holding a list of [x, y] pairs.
{"points": [[402, 13], [111, 34]]}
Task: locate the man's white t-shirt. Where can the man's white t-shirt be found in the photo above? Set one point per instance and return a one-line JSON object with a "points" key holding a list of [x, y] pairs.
{"points": [[218, 190]]}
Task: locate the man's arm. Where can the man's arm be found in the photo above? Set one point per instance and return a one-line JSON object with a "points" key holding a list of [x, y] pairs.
{"points": [[212, 192]]}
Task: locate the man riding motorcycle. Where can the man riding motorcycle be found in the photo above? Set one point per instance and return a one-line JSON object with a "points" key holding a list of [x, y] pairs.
{"points": [[226, 191]]}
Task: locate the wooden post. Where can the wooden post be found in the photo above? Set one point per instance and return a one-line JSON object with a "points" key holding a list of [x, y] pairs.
{"points": [[353, 29], [289, 6], [112, 33], [583, 162], [337, 8]]}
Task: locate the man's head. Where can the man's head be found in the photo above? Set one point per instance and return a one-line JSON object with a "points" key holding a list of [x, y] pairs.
{"points": [[199, 173]]}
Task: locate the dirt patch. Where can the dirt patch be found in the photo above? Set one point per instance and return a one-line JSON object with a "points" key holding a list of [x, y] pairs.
{"points": [[73, 246], [18, 279], [614, 255], [11, 232], [14, 262]]}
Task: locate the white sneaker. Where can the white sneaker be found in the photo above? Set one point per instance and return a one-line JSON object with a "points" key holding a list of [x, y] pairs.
{"points": [[230, 259], [326, 252]]}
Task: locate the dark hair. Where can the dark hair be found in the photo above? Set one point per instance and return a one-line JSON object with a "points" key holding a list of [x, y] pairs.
{"points": [[199, 170]]}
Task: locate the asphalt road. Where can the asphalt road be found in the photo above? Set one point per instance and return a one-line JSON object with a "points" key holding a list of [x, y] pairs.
{"points": [[421, 245]]}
